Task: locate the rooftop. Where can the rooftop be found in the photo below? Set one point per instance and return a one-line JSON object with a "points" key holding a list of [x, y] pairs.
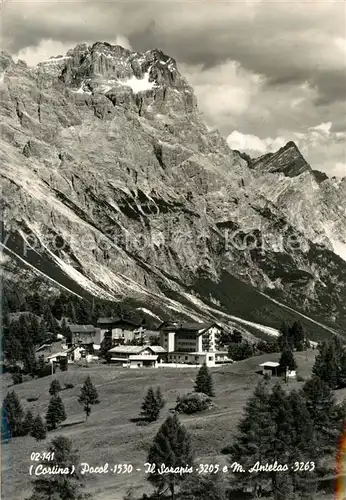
{"points": [[187, 327], [82, 328], [136, 349], [117, 321], [273, 364]]}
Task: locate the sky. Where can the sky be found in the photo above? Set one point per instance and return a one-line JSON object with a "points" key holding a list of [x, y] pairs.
{"points": [[264, 72]]}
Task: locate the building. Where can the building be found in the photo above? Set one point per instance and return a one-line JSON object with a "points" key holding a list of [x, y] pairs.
{"points": [[273, 368], [270, 368], [49, 350], [56, 357], [78, 353], [192, 343], [123, 330], [133, 356], [85, 334]]}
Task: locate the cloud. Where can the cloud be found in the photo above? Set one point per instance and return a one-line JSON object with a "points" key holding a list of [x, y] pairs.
{"points": [[253, 144], [322, 127]]}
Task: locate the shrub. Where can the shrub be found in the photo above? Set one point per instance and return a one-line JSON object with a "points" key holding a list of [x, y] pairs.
{"points": [[17, 378], [29, 400], [69, 386], [193, 402]]}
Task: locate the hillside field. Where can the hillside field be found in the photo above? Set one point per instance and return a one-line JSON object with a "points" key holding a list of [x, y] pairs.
{"points": [[110, 436]]}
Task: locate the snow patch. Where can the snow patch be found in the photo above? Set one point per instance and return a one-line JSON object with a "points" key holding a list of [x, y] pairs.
{"points": [[146, 311], [137, 84]]}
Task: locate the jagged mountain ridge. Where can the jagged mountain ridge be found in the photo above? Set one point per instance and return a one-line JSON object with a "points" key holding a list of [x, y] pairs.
{"points": [[104, 151]]}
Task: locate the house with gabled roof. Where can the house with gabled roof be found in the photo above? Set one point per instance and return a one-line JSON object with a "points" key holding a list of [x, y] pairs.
{"points": [[134, 356], [122, 330]]}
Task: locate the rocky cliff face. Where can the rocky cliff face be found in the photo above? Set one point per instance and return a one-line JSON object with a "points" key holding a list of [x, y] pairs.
{"points": [[113, 186]]}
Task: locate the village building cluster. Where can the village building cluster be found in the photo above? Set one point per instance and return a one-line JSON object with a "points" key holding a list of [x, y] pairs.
{"points": [[135, 346]]}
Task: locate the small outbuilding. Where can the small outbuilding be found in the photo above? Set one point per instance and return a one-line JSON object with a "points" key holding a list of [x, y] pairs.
{"points": [[270, 368]]}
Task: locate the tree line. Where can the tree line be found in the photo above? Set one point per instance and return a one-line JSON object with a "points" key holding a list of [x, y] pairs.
{"points": [[17, 423]]}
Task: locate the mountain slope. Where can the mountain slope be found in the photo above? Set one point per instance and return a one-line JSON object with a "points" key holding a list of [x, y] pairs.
{"points": [[111, 177]]}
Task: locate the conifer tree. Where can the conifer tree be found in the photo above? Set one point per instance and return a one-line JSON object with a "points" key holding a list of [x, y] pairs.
{"points": [[106, 344], [322, 407], [284, 340], [27, 423], [204, 487], [298, 335], [287, 361], [54, 387], [303, 446], [204, 381], [330, 363], [171, 447], [252, 442], [55, 413], [281, 441], [60, 486], [88, 396], [151, 406], [159, 398], [66, 331], [38, 430], [13, 413]]}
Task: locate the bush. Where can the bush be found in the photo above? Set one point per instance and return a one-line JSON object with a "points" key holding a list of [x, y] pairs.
{"points": [[29, 400], [63, 364], [300, 378], [17, 378], [69, 386], [193, 403]]}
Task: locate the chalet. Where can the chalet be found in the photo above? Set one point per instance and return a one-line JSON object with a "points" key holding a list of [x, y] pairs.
{"points": [[78, 353], [123, 330], [192, 343], [85, 334], [50, 349], [133, 356]]}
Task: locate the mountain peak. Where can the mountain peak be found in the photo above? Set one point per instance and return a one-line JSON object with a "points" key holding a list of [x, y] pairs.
{"points": [[287, 160]]}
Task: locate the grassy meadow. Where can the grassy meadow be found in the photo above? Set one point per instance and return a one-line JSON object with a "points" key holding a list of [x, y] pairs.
{"points": [[110, 436]]}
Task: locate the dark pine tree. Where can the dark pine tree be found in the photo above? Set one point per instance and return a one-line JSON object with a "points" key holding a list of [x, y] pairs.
{"points": [[151, 406], [13, 413], [106, 344], [27, 423], [326, 364], [55, 413], [281, 445], [323, 410], [66, 332], [159, 398], [287, 361], [58, 308], [60, 486], [252, 442], [302, 446], [38, 430], [298, 335], [88, 396], [55, 387], [204, 381], [171, 447], [204, 487], [284, 339]]}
